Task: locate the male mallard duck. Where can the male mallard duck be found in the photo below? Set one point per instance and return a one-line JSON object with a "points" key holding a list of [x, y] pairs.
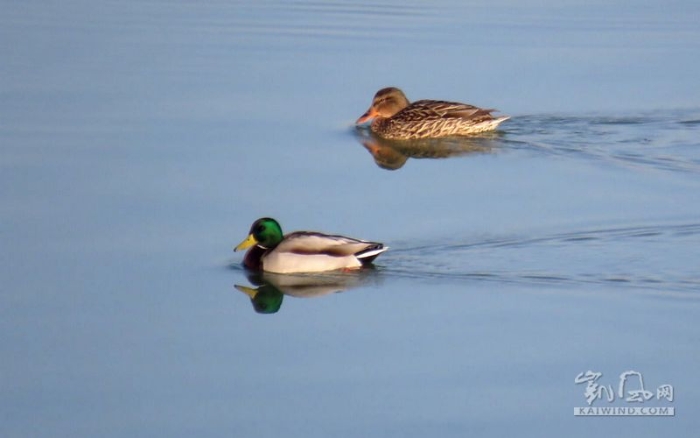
{"points": [[303, 251], [394, 117]]}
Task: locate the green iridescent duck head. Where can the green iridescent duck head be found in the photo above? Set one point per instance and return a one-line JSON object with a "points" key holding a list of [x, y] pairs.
{"points": [[265, 232]]}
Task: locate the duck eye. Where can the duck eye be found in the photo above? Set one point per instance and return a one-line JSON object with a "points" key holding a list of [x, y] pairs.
{"points": [[259, 229]]}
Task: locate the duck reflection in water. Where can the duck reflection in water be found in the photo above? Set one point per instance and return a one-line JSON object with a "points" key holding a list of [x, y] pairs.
{"points": [[393, 154], [269, 289]]}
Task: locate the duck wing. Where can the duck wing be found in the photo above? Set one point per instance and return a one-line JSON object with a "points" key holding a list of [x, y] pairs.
{"points": [[440, 109], [310, 243]]}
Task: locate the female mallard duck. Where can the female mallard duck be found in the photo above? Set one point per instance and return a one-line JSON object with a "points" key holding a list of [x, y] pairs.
{"points": [[394, 117], [303, 251]]}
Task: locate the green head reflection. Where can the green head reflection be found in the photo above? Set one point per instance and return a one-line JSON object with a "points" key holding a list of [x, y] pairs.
{"points": [[265, 298], [268, 289]]}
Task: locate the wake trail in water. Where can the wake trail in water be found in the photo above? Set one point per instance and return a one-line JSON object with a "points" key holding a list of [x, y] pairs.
{"points": [[647, 256], [662, 140]]}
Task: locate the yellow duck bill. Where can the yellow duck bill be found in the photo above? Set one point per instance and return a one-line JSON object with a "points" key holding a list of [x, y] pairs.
{"points": [[247, 243]]}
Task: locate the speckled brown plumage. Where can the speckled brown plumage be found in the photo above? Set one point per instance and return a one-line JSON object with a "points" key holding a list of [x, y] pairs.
{"points": [[394, 117]]}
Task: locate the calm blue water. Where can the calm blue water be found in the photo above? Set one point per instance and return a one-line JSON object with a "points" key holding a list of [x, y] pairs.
{"points": [[139, 142]]}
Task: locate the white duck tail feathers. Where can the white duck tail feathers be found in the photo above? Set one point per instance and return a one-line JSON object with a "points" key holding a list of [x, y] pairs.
{"points": [[368, 255]]}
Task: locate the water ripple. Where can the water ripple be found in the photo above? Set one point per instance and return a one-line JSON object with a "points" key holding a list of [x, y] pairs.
{"points": [[640, 257], [661, 140], [319, 23]]}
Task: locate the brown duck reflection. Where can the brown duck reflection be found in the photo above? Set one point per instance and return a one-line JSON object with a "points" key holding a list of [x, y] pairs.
{"points": [[393, 154], [269, 289]]}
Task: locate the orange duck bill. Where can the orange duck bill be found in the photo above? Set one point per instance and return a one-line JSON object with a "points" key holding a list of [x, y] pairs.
{"points": [[367, 116]]}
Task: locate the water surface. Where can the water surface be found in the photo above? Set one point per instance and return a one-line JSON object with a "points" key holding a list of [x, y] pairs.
{"points": [[139, 142]]}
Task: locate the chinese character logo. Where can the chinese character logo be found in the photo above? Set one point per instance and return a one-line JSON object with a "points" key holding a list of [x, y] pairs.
{"points": [[594, 391], [630, 388]]}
